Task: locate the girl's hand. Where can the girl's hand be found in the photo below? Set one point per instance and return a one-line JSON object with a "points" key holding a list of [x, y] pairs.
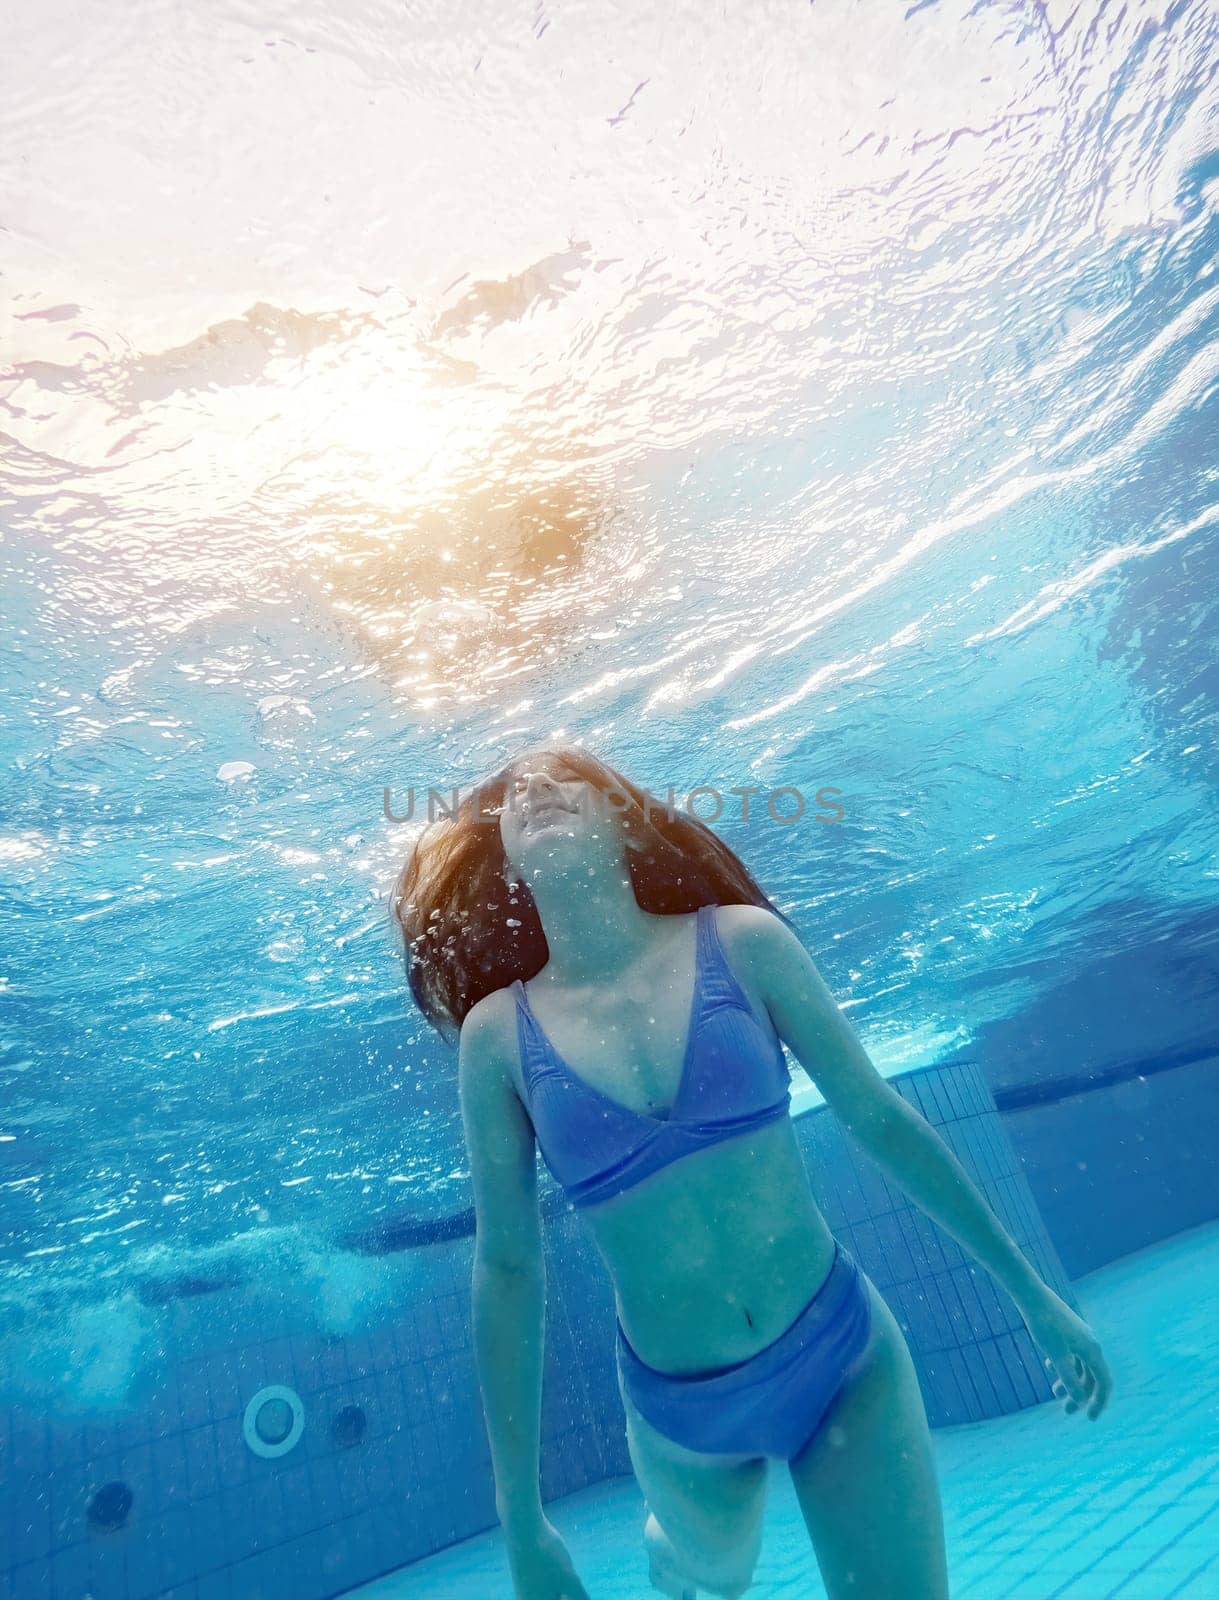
{"points": [[1072, 1350], [541, 1567]]}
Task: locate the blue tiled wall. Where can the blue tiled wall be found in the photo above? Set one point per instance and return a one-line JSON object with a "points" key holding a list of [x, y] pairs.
{"points": [[208, 1517], [1122, 1165], [212, 1521]]}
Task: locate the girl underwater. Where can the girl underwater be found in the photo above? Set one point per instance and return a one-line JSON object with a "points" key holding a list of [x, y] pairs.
{"points": [[563, 903]]}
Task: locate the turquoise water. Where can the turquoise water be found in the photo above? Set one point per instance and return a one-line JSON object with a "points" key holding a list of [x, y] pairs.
{"points": [[381, 394], [908, 490]]}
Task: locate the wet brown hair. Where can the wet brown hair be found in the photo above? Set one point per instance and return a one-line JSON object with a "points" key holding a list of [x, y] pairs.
{"points": [[466, 932]]}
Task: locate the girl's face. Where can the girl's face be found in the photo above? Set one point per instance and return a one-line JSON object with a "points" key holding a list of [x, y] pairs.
{"points": [[550, 813]]}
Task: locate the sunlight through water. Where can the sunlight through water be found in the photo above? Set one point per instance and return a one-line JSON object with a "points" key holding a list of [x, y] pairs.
{"points": [[381, 391]]}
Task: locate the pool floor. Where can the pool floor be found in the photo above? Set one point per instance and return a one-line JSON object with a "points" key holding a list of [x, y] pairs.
{"points": [[1037, 1506]]}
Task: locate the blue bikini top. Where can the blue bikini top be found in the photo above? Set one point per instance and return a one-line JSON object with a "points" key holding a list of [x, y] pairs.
{"points": [[734, 1078]]}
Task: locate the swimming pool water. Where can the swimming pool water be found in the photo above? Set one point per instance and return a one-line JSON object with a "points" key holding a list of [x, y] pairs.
{"points": [[815, 397]]}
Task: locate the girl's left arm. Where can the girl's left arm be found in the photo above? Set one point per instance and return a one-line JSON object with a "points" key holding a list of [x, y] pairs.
{"points": [[909, 1150]]}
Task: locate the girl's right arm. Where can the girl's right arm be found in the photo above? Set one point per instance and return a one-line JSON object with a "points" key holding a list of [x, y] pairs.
{"points": [[508, 1305], [509, 1283]]}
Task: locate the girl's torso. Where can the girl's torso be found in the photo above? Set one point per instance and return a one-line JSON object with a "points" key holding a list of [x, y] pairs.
{"points": [[713, 1255]]}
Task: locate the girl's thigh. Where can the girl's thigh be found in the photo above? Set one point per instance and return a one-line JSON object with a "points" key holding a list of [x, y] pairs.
{"points": [[867, 1481], [707, 1509]]}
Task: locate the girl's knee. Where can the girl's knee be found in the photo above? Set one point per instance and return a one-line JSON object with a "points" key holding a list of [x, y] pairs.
{"points": [[725, 1573]]}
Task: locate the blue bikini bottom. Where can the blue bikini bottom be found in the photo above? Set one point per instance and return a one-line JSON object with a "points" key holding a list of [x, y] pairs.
{"points": [[774, 1402]]}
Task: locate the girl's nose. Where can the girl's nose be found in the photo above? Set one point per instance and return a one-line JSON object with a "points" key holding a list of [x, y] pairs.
{"points": [[540, 782]]}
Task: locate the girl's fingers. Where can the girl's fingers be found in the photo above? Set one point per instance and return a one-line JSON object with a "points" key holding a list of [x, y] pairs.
{"points": [[1104, 1384], [1061, 1391], [1081, 1382]]}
